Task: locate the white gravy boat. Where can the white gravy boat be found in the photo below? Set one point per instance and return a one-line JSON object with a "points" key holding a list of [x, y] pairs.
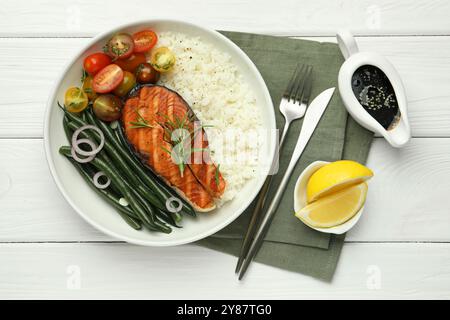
{"points": [[398, 133]]}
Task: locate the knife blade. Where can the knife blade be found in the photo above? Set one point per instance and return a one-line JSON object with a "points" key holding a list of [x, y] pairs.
{"points": [[312, 117]]}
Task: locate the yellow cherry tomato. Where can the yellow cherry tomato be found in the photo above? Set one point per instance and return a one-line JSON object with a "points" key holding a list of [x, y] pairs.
{"points": [[162, 59], [75, 100]]}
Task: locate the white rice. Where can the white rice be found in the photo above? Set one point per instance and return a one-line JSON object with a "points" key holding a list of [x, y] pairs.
{"points": [[211, 84]]}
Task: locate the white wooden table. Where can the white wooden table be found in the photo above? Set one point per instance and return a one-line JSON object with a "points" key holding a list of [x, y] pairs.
{"points": [[400, 248]]}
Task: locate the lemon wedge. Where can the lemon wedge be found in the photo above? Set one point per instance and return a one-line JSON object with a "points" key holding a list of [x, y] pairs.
{"points": [[335, 209], [334, 177]]}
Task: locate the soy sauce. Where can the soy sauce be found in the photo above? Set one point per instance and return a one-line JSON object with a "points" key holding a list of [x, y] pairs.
{"points": [[374, 92]]}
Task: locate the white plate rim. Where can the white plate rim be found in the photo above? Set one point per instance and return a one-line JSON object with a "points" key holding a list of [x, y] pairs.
{"points": [[49, 156]]}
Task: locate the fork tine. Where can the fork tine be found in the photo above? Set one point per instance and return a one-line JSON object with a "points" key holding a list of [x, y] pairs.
{"points": [[292, 83], [288, 90], [307, 89], [301, 86], [298, 81]]}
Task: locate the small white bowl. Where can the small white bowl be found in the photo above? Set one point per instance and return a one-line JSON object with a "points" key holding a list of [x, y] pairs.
{"points": [[300, 199]]}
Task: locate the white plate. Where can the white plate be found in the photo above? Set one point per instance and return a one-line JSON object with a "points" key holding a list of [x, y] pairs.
{"points": [[99, 213]]}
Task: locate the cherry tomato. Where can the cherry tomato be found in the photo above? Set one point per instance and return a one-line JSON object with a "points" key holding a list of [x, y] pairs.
{"points": [[162, 59], [128, 82], [107, 107], [107, 79], [145, 73], [131, 63], [95, 62], [88, 89], [75, 100], [120, 46], [144, 40]]}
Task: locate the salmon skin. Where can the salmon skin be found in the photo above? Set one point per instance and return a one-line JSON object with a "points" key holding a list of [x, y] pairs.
{"points": [[151, 118]]}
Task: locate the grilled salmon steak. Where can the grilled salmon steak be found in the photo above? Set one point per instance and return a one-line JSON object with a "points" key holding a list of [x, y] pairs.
{"points": [[153, 118]]}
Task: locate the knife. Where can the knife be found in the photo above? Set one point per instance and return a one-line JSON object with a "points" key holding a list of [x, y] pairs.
{"points": [[312, 117]]}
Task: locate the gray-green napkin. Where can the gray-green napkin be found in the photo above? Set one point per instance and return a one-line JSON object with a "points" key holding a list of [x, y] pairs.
{"points": [[290, 244]]}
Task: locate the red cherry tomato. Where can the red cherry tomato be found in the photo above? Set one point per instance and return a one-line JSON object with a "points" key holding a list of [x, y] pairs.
{"points": [[107, 79], [145, 73], [144, 40], [132, 62], [95, 62]]}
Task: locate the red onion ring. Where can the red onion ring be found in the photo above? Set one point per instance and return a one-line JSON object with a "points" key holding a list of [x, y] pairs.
{"points": [[95, 149], [75, 155], [97, 183], [171, 208]]}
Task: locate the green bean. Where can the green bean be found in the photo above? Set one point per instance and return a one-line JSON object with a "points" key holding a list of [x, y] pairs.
{"points": [[126, 192], [168, 218], [163, 192], [151, 212], [66, 128], [154, 214], [148, 208], [72, 117], [112, 189], [126, 213], [168, 192], [134, 179], [147, 194], [136, 224], [74, 125]]}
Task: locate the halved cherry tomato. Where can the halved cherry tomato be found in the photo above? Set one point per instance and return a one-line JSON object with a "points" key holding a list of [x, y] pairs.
{"points": [[145, 73], [132, 62], [88, 89], [162, 59], [128, 82], [75, 100], [144, 40], [107, 107], [107, 79], [95, 62], [120, 46]]}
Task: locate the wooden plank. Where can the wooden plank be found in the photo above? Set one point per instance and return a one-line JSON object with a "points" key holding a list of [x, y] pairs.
{"points": [[31, 205], [407, 201], [289, 17], [30, 68], [408, 196], [104, 271]]}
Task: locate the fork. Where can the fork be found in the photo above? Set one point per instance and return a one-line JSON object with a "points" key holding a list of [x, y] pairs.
{"points": [[293, 106]]}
